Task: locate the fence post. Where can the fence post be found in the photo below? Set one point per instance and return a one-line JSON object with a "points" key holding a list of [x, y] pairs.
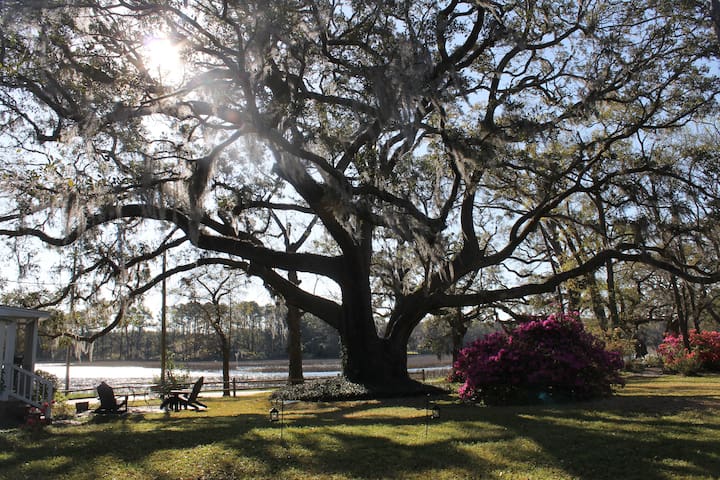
{"points": [[234, 387], [423, 374]]}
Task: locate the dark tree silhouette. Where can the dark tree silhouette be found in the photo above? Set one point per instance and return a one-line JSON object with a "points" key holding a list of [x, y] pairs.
{"points": [[430, 140]]}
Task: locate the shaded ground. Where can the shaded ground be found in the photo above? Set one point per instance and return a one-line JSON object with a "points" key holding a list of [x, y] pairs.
{"points": [[656, 428]]}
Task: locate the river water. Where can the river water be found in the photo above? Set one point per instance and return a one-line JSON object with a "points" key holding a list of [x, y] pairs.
{"points": [[88, 375]]}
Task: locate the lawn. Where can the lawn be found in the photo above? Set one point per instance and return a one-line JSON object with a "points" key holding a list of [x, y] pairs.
{"points": [[655, 428]]}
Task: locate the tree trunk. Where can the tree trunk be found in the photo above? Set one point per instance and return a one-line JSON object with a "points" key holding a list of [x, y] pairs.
{"points": [[374, 362], [226, 367], [609, 267], [294, 345], [366, 358], [682, 320], [295, 366], [612, 295], [458, 330], [694, 306], [224, 341], [597, 303], [225, 349]]}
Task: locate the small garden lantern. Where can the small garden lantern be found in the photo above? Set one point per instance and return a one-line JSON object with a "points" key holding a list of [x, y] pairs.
{"points": [[435, 412], [274, 415]]}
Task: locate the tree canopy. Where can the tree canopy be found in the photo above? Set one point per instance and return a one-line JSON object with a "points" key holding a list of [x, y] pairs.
{"points": [[431, 147]]}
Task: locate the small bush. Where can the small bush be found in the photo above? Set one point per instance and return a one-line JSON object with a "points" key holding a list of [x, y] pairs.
{"points": [[323, 390], [340, 388], [541, 360]]}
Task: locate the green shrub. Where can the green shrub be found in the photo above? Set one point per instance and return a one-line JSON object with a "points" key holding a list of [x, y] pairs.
{"points": [[49, 377], [61, 408]]}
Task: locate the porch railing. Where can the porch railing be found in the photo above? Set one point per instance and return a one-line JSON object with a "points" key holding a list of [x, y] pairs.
{"points": [[32, 389]]}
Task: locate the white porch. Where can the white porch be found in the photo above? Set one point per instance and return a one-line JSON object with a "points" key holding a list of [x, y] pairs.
{"points": [[18, 352]]}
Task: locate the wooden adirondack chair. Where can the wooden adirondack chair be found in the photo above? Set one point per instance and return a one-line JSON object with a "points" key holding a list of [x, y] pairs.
{"points": [[191, 399], [108, 402]]}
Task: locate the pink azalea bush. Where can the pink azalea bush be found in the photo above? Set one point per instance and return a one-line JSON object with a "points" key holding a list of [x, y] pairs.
{"points": [[707, 345], [676, 358], [541, 360], [704, 353]]}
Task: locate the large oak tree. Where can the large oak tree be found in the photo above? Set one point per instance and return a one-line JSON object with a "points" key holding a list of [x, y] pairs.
{"points": [[426, 144]]}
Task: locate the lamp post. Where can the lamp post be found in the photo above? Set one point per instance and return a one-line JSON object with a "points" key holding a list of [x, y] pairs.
{"points": [[278, 416], [430, 413]]}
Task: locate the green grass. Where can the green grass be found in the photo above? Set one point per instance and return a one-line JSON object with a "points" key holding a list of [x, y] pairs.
{"points": [[661, 428]]}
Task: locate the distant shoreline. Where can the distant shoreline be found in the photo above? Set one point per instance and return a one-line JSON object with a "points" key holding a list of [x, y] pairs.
{"points": [[84, 375]]}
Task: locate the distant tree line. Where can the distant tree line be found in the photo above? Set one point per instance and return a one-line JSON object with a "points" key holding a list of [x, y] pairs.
{"points": [[255, 332]]}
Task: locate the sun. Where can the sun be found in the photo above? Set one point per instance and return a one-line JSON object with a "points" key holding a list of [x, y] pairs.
{"points": [[163, 60]]}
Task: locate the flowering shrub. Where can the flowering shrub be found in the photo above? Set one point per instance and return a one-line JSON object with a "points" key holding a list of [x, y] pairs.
{"points": [[35, 418], [676, 358], [671, 349], [704, 352], [707, 344], [551, 359]]}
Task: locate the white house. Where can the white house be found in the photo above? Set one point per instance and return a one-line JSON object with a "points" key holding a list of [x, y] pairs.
{"points": [[19, 386]]}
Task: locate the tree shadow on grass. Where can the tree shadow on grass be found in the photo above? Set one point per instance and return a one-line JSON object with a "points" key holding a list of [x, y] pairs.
{"points": [[324, 443], [639, 437], [388, 439], [632, 437], [624, 437], [114, 437], [384, 410]]}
